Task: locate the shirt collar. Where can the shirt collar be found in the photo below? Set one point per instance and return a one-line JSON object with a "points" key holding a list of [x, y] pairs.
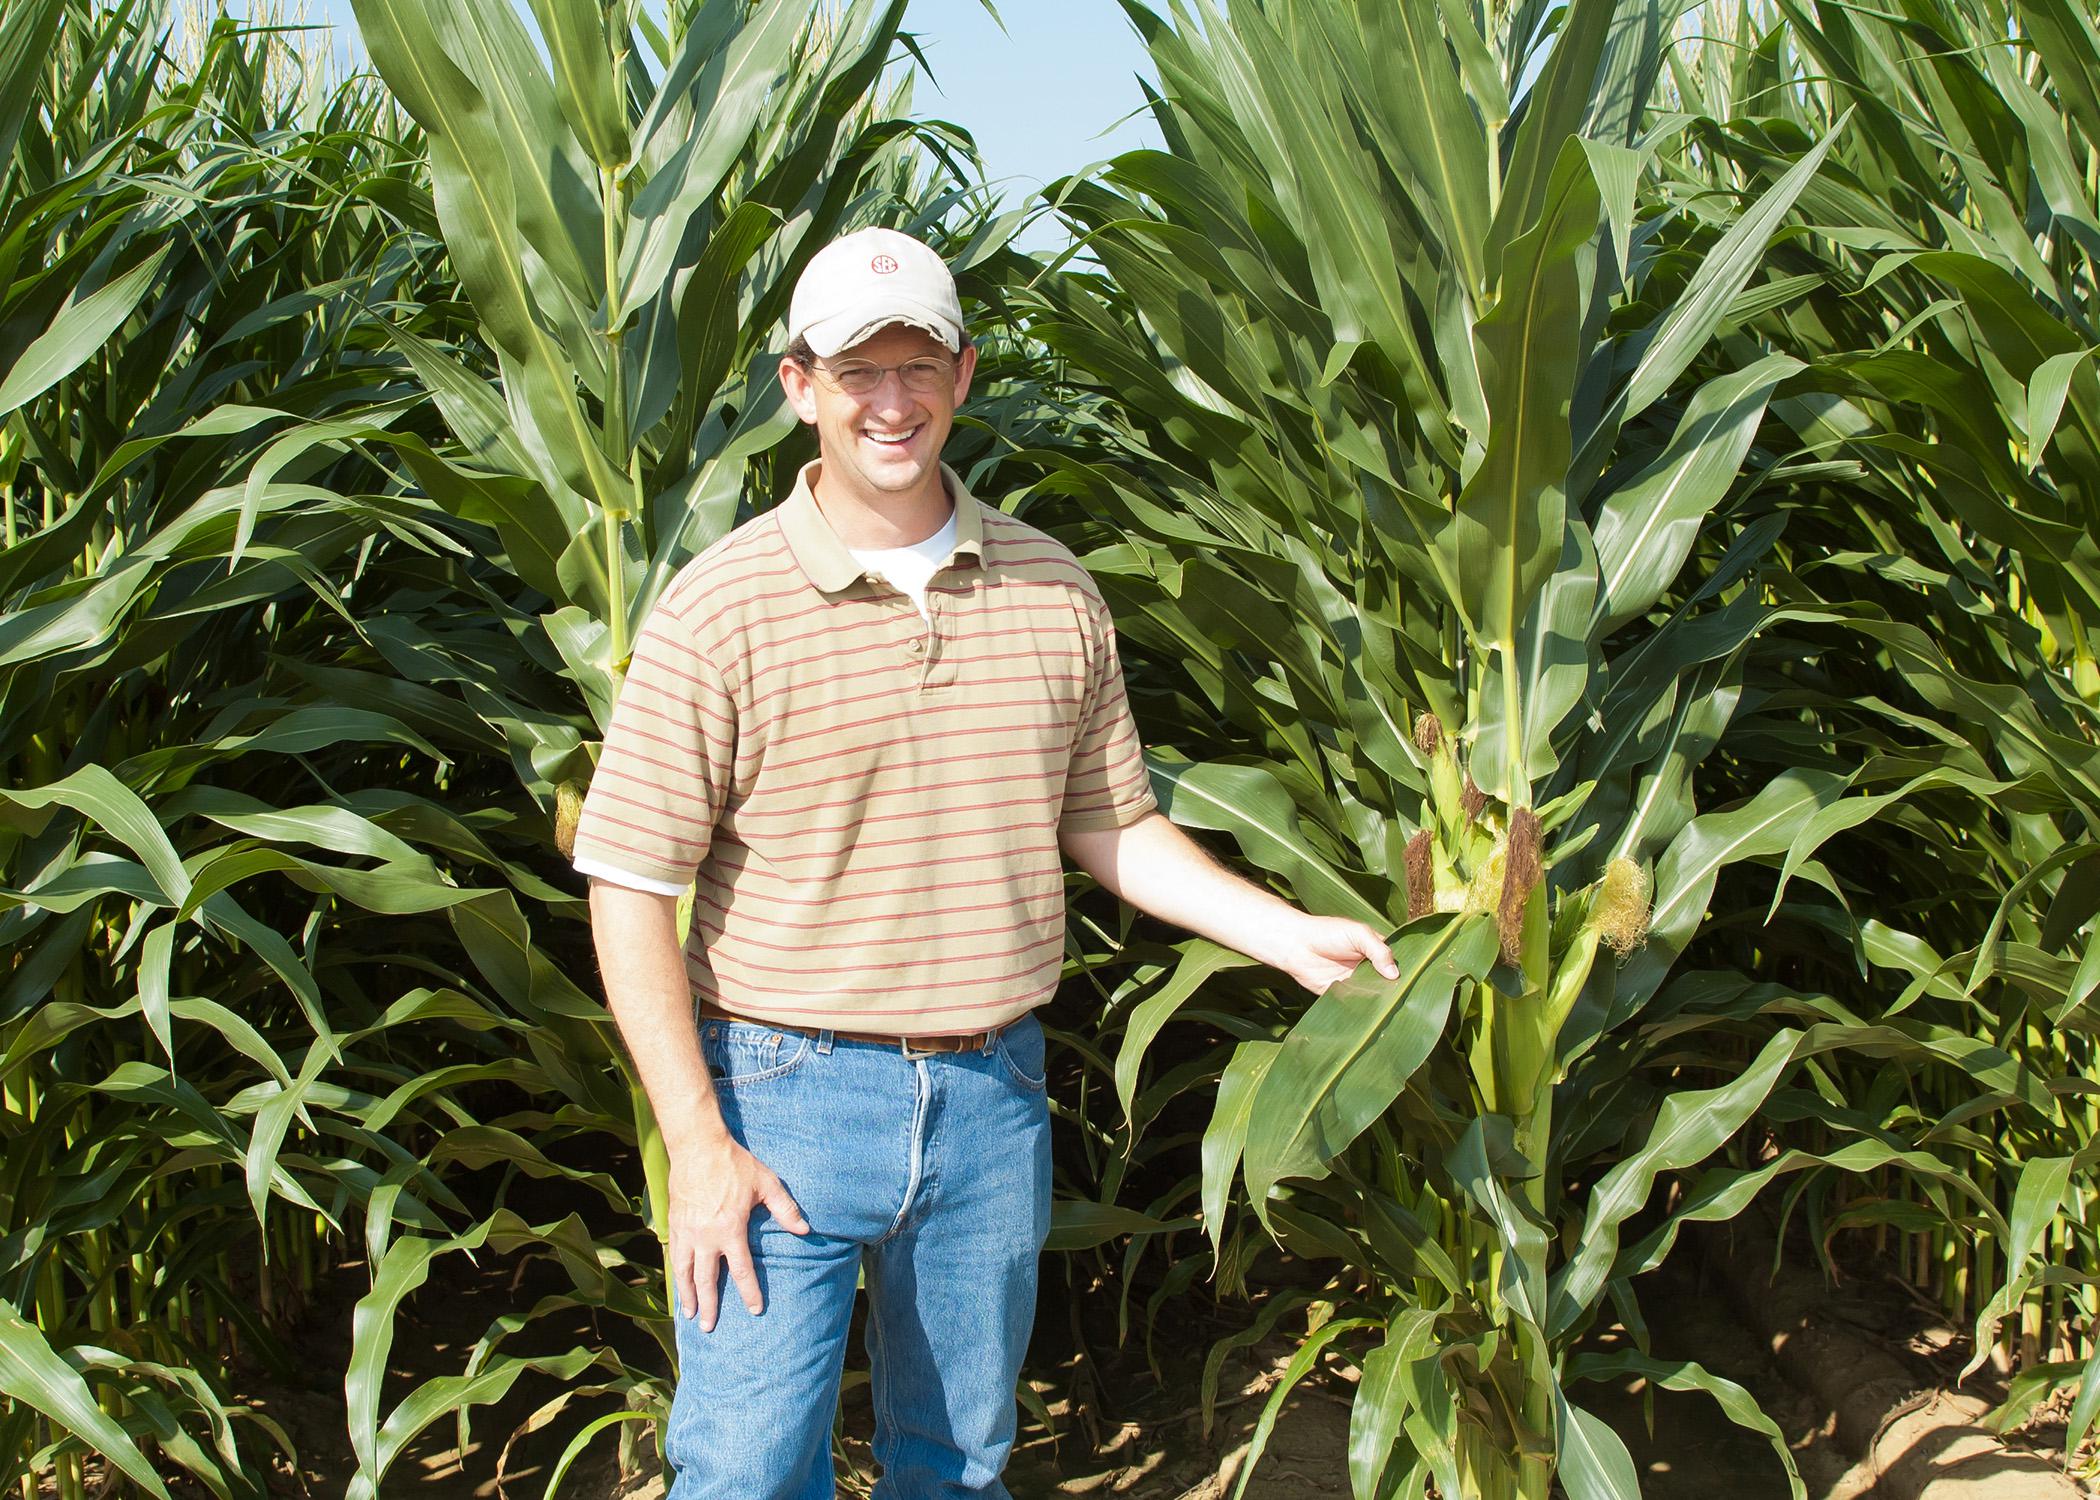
{"points": [[824, 560]]}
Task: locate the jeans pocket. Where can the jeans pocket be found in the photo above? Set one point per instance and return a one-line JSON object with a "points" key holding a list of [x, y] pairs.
{"points": [[1020, 1047], [740, 1054]]}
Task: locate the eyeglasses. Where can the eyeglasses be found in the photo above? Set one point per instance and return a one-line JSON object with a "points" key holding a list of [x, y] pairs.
{"points": [[857, 377]]}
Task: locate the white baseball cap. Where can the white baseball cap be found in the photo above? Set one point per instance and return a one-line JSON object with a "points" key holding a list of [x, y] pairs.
{"points": [[866, 280]]}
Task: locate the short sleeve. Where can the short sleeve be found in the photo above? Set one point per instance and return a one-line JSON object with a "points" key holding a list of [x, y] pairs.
{"points": [[666, 766], [1107, 785]]}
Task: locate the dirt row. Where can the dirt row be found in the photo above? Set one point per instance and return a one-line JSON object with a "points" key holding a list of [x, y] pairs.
{"points": [[1123, 1429]]}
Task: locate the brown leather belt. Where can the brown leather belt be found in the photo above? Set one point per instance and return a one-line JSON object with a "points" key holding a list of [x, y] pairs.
{"points": [[911, 1046]]}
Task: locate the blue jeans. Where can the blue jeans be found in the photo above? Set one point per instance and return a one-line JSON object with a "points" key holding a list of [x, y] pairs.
{"points": [[932, 1174]]}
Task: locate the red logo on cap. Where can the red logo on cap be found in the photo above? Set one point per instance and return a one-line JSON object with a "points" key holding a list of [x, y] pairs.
{"points": [[883, 265]]}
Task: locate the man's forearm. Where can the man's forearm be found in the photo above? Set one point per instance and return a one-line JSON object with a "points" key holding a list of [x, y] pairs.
{"points": [[643, 966], [1160, 870]]}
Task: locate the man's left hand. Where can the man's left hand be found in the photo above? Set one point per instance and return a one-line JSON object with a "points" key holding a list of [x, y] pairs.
{"points": [[1319, 951]]}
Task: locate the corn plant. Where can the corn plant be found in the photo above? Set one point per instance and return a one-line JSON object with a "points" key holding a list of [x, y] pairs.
{"points": [[1440, 493], [182, 278], [1952, 324]]}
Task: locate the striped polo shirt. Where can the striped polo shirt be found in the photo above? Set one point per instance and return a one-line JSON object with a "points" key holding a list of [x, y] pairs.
{"points": [[866, 800]]}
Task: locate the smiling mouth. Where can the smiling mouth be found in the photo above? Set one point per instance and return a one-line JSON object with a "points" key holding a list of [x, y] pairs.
{"points": [[891, 437]]}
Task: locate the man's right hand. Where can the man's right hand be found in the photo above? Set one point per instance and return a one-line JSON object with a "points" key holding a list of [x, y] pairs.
{"points": [[713, 1192], [715, 1183]]}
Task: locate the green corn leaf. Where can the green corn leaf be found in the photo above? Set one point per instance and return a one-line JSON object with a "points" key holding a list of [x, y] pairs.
{"points": [[553, 184], [1200, 959], [266, 1137], [161, 1408], [1301, 1365], [478, 1146], [98, 796], [1406, 1244], [472, 409], [1251, 804], [225, 915], [442, 1395], [1627, 69], [535, 521], [234, 1030], [2085, 984], [51, 1023], [2046, 389], [84, 617], [1225, 1138], [1593, 1463], [156, 952], [1403, 1388], [1718, 1194], [1728, 267], [726, 98], [1851, 812], [688, 369], [32, 1372], [1690, 1126], [79, 330], [1076, 1224], [478, 202], [2037, 1200], [2079, 1420], [1618, 173], [1375, 1418], [2029, 1387], [596, 1425], [1477, 66], [406, 1267], [1648, 526], [1737, 1404], [2065, 37], [1552, 665], [1547, 125], [340, 829], [1355, 1049], [2005, 714], [26, 33], [592, 100], [1684, 879], [585, 645], [1327, 182], [1412, 101], [434, 1082], [1522, 1238], [50, 549], [1264, 1323], [86, 880]]}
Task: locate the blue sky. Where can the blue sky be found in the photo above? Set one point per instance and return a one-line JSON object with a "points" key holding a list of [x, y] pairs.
{"points": [[1048, 95]]}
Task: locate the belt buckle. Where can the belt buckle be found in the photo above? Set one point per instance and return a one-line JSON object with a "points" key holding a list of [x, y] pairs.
{"points": [[911, 1053]]}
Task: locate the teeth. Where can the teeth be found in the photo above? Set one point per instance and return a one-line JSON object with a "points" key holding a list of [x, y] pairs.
{"points": [[890, 437]]}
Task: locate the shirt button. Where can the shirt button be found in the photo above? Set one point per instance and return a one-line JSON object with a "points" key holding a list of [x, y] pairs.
{"points": [[916, 644]]}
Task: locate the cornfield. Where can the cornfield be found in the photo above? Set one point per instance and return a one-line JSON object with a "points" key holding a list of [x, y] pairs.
{"points": [[1608, 493]]}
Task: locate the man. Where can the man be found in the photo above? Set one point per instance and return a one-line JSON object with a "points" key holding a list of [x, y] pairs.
{"points": [[866, 723]]}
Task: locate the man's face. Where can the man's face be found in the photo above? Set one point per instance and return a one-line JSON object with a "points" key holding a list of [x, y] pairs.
{"points": [[887, 440]]}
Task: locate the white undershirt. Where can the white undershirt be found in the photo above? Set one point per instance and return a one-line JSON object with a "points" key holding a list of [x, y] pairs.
{"points": [[909, 569]]}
